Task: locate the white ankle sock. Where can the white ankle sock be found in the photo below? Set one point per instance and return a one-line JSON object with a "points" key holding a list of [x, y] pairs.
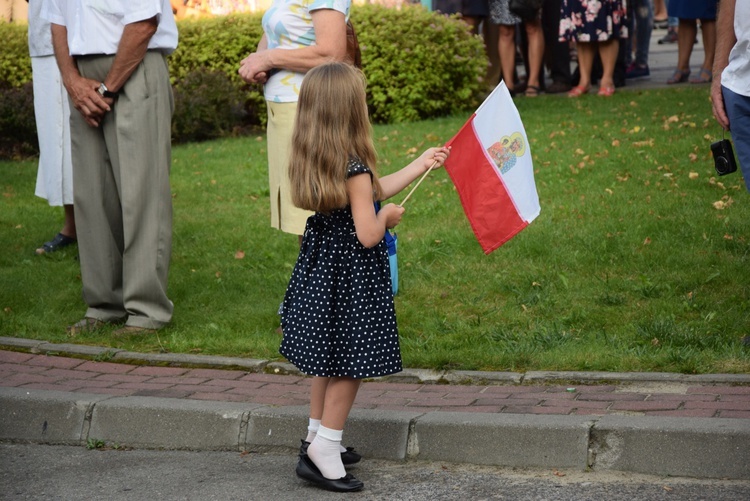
{"points": [[325, 452], [312, 429]]}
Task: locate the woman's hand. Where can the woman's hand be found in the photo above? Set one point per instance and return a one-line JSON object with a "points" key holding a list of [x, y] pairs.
{"points": [[435, 157], [254, 68]]}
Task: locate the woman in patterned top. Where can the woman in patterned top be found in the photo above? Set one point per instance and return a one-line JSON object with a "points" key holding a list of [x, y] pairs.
{"points": [[298, 36], [338, 316]]}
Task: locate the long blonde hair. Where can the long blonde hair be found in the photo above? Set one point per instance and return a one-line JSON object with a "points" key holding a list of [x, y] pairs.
{"points": [[332, 125]]}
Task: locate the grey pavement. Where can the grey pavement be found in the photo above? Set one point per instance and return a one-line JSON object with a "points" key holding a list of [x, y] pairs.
{"points": [[662, 424], [31, 471], [650, 423]]}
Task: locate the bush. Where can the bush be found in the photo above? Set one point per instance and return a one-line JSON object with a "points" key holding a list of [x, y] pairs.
{"points": [[419, 64], [15, 63], [218, 44], [17, 121], [207, 105]]}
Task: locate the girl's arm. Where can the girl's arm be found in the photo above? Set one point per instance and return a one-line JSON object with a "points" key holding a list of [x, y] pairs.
{"points": [[370, 227], [330, 45], [394, 183]]}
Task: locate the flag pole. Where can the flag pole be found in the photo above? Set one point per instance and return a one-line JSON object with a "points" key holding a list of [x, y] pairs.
{"points": [[419, 182]]}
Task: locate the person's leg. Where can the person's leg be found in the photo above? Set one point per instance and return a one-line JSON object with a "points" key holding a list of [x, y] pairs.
{"points": [[284, 215], [491, 43], [536, 54], [55, 173], [69, 227], [685, 40], [738, 112], [325, 450], [138, 141], [556, 53], [608, 53], [708, 31], [585, 65], [506, 47], [98, 212], [644, 25], [473, 22], [660, 10], [317, 400]]}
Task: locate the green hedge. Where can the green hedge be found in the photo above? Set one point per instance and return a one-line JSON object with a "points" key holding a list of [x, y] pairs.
{"points": [[419, 64], [15, 63]]}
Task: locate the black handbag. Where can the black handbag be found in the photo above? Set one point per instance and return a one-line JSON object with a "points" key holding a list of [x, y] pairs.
{"points": [[526, 9]]}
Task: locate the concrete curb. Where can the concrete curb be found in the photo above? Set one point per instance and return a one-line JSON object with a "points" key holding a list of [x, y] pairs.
{"points": [[692, 447], [421, 376]]}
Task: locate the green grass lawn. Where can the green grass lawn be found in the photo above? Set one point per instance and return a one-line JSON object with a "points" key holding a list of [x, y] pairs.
{"points": [[639, 260]]}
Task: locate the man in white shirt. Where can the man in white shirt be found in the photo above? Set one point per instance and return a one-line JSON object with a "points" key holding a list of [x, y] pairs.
{"points": [[112, 58], [730, 89]]}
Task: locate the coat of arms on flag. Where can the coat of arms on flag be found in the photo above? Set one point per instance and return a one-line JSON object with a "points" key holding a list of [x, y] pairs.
{"points": [[490, 165]]}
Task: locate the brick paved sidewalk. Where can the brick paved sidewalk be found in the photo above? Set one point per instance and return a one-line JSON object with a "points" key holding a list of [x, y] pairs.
{"points": [[677, 399]]}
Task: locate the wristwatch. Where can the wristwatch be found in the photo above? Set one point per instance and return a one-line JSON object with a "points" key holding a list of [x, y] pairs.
{"points": [[105, 92]]}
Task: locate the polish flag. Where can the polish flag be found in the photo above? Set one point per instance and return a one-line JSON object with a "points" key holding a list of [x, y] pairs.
{"points": [[490, 165]]}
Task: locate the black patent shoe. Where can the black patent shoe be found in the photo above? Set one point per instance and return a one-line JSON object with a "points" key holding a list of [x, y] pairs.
{"points": [[348, 457], [306, 469]]}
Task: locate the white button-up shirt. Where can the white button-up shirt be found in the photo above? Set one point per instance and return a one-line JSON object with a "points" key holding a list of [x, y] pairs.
{"points": [[96, 26], [40, 39]]}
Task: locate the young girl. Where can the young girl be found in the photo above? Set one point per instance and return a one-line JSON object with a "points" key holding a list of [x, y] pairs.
{"points": [[338, 317]]}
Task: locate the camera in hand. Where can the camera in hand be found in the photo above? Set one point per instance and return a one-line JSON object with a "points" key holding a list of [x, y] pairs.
{"points": [[723, 157]]}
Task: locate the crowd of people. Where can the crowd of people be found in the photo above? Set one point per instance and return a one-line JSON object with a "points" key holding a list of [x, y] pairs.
{"points": [[338, 321], [608, 39]]}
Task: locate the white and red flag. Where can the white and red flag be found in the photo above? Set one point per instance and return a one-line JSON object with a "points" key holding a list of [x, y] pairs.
{"points": [[490, 165]]}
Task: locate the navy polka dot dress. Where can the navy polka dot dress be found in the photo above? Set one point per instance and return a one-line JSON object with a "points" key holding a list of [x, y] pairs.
{"points": [[338, 316]]}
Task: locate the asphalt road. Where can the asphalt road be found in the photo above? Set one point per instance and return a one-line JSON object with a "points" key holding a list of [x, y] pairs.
{"points": [[63, 472]]}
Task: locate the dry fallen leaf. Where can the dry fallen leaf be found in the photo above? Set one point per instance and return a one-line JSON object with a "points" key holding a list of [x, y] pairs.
{"points": [[719, 205], [693, 175], [647, 241], [239, 254]]}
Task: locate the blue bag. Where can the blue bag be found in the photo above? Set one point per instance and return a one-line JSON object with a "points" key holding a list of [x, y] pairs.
{"points": [[391, 240]]}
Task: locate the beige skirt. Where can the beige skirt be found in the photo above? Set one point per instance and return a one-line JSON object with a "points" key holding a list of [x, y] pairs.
{"points": [[284, 215]]}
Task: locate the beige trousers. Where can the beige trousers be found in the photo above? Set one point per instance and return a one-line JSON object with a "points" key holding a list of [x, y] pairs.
{"points": [[284, 215], [122, 196]]}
